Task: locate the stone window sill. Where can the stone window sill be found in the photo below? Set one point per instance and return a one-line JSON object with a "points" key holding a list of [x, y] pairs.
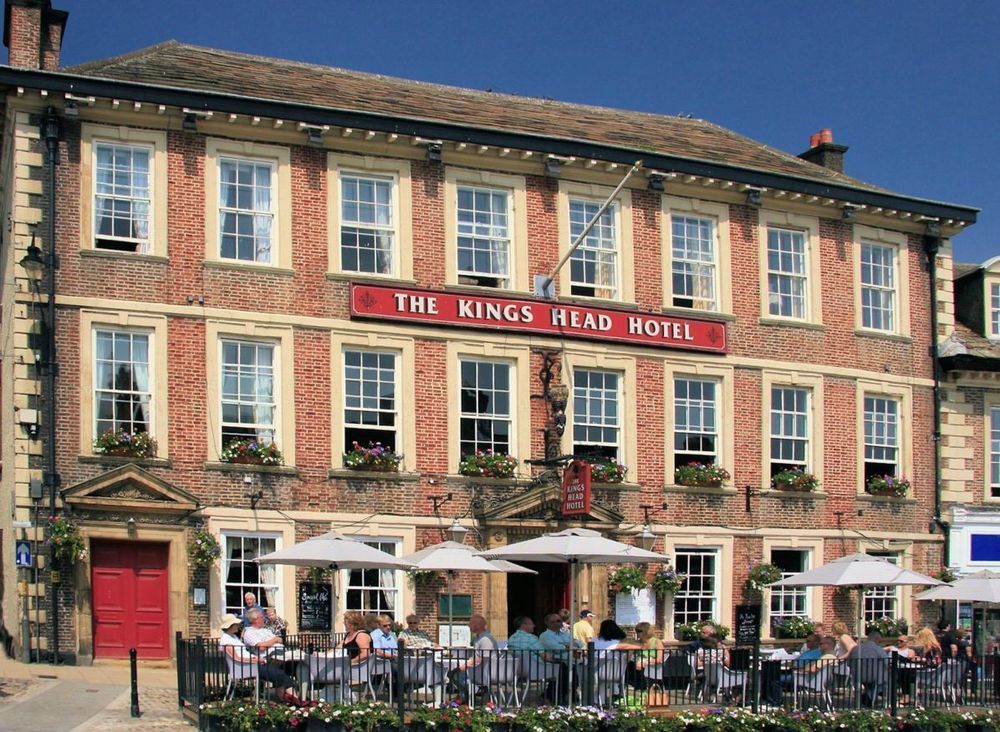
{"points": [[155, 462], [252, 468], [397, 475]]}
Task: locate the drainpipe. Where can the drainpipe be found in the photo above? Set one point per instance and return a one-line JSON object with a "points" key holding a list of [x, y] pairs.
{"points": [[932, 244], [50, 134]]}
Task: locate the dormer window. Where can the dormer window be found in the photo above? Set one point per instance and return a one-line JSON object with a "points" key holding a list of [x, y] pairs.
{"points": [[995, 310]]}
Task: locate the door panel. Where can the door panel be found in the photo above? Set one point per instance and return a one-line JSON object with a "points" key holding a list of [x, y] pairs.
{"points": [[129, 587]]}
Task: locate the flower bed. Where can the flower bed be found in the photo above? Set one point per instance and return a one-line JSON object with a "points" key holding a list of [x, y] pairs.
{"points": [[488, 464], [375, 457]]}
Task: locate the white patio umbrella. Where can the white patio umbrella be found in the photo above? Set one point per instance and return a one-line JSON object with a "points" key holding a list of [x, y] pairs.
{"points": [[334, 551], [856, 570], [979, 587], [452, 557], [574, 547]]}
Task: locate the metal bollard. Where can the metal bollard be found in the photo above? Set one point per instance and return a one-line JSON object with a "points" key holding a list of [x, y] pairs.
{"points": [[134, 709]]}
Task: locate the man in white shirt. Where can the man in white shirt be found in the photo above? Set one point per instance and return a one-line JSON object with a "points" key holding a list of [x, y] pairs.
{"points": [[261, 638]]}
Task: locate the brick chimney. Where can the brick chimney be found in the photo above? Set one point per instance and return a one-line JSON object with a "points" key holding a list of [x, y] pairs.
{"points": [[32, 32], [823, 151]]}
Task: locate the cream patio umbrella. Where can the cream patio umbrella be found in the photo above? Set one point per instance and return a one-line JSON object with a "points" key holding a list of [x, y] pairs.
{"points": [[334, 551], [452, 557], [856, 570], [573, 547], [979, 587]]}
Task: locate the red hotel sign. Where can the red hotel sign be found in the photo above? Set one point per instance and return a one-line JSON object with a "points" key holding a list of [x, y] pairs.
{"points": [[536, 316], [576, 489]]}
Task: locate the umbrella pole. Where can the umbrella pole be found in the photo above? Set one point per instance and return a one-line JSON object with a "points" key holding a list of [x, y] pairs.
{"points": [[572, 614]]}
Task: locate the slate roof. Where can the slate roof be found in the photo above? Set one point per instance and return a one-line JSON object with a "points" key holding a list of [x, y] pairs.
{"points": [[977, 346], [197, 68], [960, 269]]}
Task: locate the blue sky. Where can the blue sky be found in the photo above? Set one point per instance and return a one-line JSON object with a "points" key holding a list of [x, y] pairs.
{"points": [[912, 87]]}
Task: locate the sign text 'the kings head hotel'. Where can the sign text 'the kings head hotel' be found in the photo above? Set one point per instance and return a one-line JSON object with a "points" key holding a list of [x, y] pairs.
{"points": [[536, 316]]}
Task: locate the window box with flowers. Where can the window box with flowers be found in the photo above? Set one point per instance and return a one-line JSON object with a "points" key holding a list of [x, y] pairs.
{"points": [[791, 626], [667, 581], [251, 452], [488, 464], [120, 443], [761, 575], [794, 480], [67, 543], [889, 627], [692, 631], [607, 471], [376, 457], [627, 578], [887, 485], [700, 475], [203, 549]]}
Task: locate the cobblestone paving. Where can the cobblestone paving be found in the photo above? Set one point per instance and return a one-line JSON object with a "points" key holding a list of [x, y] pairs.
{"points": [[158, 707], [12, 690]]}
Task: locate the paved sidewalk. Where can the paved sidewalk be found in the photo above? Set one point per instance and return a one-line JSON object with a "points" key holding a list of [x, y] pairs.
{"points": [[85, 698]]}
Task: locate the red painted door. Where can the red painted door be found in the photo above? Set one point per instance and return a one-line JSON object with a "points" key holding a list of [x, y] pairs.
{"points": [[129, 586]]}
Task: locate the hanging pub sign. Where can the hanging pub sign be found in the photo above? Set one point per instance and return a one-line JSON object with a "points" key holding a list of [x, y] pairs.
{"points": [[576, 489], [460, 310]]}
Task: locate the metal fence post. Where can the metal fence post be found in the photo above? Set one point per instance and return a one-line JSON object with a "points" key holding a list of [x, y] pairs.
{"points": [[400, 686], [199, 674], [588, 674], [181, 668], [893, 683]]}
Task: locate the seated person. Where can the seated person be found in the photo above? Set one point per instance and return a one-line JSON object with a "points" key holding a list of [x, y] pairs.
{"points": [[413, 637], [705, 632], [810, 650], [827, 644], [558, 642], [257, 636], [649, 656], [871, 663], [485, 648], [249, 603], [275, 623], [383, 639], [611, 637], [232, 646], [932, 655], [531, 653], [357, 643]]}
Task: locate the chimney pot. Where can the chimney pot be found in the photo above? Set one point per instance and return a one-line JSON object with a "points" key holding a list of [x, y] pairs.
{"points": [[814, 140], [826, 135]]}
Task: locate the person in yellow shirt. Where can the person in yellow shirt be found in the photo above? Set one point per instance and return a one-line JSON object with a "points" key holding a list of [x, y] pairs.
{"points": [[583, 629]]}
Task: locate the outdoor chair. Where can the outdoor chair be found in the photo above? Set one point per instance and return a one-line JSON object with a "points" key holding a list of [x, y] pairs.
{"points": [[947, 680], [421, 670], [326, 671], [241, 671], [873, 677], [722, 680], [533, 669], [382, 669], [675, 673], [361, 675], [609, 677], [816, 684], [503, 678]]}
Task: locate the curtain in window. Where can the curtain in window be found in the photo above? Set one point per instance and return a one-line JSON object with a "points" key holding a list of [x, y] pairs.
{"points": [[140, 221], [263, 219], [704, 296], [604, 274], [387, 581], [268, 576], [383, 252]]}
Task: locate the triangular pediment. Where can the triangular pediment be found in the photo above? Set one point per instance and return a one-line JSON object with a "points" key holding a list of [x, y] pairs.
{"points": [[544, 503], [129, 486]]}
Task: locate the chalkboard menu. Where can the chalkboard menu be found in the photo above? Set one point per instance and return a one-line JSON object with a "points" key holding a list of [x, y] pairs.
{"points": [[314, 606], [747, 624]]}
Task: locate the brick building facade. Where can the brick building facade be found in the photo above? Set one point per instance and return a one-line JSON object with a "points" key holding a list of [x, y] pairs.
{"points": [[212, 248]]}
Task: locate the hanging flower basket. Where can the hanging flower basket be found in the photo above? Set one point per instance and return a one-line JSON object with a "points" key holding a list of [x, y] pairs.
{"points": [[203, 549], [251, 452], [64, 536], [119, 443], [627, 578], [667, 581], [761, 575], [376, 457], [700, 475]]}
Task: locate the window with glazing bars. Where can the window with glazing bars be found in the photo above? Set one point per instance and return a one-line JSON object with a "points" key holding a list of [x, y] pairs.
{"points": [[995, 452], [367, 226], [881, 601], [486, 398], [881, 437], [693, 264], [242, 574], [483, 236], [370, 398], [878, 286], [698, 596], [246, 209], [786, 601], [596, 417], [695, 421], [787, 282], [122, 197], [375, 590], [248, 402], [122, 384], [594, 265], [789, 429]]}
